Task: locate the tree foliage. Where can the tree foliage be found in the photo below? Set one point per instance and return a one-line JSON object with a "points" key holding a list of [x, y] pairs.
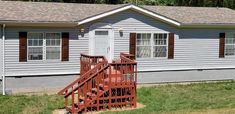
{"points": [[198, 3]]}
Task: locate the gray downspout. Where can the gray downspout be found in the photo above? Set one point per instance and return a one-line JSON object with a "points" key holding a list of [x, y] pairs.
{"points": [[3, 61]]}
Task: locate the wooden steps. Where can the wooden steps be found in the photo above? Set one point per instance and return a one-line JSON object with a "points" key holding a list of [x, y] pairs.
{"points": [[102, 85]]}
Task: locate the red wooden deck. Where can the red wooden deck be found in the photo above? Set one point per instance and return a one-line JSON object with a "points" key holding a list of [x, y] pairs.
{"points": [[102, 85]]}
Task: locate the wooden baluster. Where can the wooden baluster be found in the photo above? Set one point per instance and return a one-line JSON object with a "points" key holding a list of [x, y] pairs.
{"points": [[85, 94], [81, 65], [66, 101], [73, 108], [79, 89], [115, 74], [97, 92], [135, 83], [110, 87]]}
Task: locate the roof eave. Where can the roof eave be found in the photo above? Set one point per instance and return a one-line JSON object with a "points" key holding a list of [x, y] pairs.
{"points": [[39, 23], [209, 25]]}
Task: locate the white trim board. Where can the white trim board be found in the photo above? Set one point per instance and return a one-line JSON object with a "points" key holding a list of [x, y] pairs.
{"points": [[136, 8]]}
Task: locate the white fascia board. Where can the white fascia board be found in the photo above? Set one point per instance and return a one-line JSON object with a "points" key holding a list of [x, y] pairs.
{"points": [[214, 26], [156, 15], [126, 8], [104, 15]]}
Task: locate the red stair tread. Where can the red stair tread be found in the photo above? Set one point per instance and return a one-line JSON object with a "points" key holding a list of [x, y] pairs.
{"points": [[114, 71], [114, 79], [94, 89], [92, 66]]}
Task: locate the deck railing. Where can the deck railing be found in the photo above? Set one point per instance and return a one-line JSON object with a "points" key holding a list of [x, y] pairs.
{"points": [[88, 62]]}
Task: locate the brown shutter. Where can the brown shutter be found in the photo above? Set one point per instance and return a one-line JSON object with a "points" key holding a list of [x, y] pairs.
{"points": [[22, 46], [171, 40], [65, 46], [132, 45], [221, 45]]}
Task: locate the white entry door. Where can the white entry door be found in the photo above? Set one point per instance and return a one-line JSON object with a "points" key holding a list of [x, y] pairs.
{"points": [[102, 43]]}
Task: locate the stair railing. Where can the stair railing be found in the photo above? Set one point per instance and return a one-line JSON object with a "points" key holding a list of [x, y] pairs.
{"points": [[85, 87], [98, 61]]}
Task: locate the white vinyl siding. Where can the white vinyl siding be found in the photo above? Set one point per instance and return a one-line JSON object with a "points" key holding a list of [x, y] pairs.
{"points": [[193, 49], [77, 45]]}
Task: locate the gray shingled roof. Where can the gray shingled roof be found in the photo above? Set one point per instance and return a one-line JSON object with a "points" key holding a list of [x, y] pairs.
{"points": [[196, 15], [70, 12], [50, 12]]}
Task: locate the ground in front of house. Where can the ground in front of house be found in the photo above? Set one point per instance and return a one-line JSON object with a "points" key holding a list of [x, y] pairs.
{"points": [[201, 98]]}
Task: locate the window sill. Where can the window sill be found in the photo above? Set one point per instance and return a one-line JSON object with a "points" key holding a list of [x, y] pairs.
{"points": [[153, 58], [44, 61], [230, 56]]}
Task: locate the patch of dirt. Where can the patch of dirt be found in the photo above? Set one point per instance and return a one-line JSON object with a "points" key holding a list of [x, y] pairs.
{"points": [[59, 111], [32, 110], [139, 105]]}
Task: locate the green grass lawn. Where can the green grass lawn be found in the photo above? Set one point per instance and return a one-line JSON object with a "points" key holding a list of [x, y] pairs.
{"points": [[185, 98], [160, 99], [21, 104]]}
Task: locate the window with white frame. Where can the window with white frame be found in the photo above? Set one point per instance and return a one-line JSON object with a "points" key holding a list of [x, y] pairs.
{"points": [[35, 46], [230, 44], [53, 46], [151, 45], [143, 45], [44, 46], [160, 45]]}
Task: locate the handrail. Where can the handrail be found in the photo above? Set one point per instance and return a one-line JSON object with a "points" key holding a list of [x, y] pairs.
{"points": [[92, 56], [129, 56], [84, 76], [83, 82]]}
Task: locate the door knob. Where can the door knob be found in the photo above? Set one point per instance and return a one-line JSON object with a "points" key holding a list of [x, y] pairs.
{"points": [[108, 49]]}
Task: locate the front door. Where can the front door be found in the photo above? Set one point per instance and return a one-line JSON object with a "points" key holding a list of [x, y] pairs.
{"points": [[101, 44]]}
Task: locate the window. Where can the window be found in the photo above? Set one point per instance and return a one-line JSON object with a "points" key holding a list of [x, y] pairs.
{"points": [[37, 43], [230, 44], [143, 45], [160, 45], [151, 45], [53, 46], [35, 46], [101, 32]]}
